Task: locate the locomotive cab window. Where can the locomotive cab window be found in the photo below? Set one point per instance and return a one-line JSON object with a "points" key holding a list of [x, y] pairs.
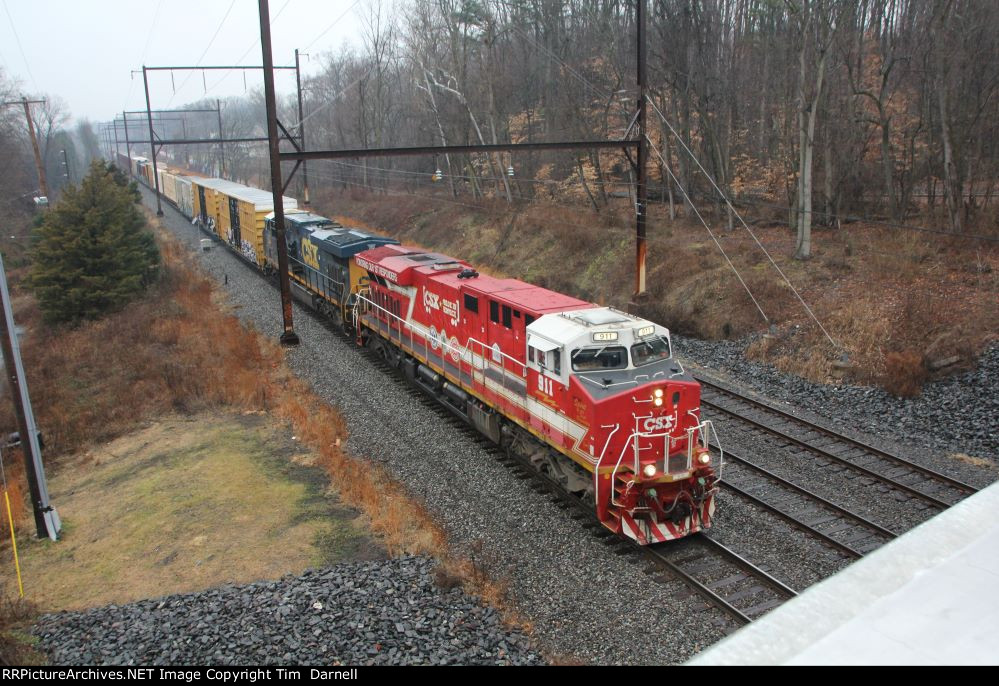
{"points": [[591, 359], [507, 321], [494, 312], [650, 351]]}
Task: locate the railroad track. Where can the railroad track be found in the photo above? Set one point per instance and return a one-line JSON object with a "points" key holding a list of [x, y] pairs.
{"points": [[837, 527], [731, 583], [932, 489], [728, 582]]}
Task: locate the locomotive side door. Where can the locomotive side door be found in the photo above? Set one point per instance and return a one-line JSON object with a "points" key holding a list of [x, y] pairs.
{"points": [[504, 334], [473, 324], [546, 378]]}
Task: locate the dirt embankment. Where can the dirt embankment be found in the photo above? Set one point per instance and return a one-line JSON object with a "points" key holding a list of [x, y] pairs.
{"points": [[168, 432], [187, 503], [899, 303]]}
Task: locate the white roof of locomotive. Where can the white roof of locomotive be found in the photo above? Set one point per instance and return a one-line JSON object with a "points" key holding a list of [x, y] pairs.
{"points": [[577, 326]]}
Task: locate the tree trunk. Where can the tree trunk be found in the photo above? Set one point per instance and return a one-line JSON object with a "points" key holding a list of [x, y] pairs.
{"points": [[952, 185]]}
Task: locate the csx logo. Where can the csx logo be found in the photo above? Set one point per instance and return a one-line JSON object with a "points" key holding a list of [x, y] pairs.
{"points": [[310, 254], [658, 423], [431, 301]]}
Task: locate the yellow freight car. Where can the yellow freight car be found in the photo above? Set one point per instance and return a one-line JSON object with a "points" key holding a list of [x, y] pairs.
{"points": [[241, 219], [208, 202]]}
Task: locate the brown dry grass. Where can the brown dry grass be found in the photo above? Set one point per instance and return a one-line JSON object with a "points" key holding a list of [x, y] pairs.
{"points": [[177, 350], [184, 504], [878, 291]]}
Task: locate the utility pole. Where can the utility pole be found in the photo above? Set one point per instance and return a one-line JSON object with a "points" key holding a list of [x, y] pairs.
{"points": [[301, 130], [152, 144], [65, 163], [288, 337], [43, 185], [641, 192], [47, 522], [218, 111]]}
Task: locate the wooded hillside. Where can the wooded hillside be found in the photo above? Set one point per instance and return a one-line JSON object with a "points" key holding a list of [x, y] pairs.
{"points": [[807, 112]]}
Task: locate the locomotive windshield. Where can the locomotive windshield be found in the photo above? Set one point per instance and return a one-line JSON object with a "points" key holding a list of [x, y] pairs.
{"points": [[650, 351], [608, 357]]}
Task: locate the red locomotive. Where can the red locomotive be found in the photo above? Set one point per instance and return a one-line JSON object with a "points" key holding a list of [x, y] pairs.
{"points": [[592, 395]]}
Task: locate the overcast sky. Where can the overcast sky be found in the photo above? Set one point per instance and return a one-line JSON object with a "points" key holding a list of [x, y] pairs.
{"points": [[83, 50]]}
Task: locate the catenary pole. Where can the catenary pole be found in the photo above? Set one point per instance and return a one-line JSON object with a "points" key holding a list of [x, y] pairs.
{"points": [[641, 191], [288, 336], [301, 129], [152, 144], [128, 145], [47, 522]]}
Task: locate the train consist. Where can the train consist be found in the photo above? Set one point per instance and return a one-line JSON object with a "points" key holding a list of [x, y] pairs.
{"points": [[591, 395]]}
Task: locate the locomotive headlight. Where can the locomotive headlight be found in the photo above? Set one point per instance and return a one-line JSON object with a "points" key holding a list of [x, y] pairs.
{"points": [[649, 471], [704, 458], [658, 393], [658, 402]]}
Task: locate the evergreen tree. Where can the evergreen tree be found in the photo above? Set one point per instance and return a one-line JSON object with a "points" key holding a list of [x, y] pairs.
{"points": [[92, 252]]}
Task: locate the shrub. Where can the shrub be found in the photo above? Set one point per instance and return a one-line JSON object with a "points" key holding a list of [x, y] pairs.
{"points": [[905, 373], [92, 253]]}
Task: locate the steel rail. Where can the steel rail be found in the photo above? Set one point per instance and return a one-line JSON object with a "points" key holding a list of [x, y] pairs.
{"points": [[793, 521], [809, 494], [936, 502], [878, 452], [747, 566], [701, 588]]}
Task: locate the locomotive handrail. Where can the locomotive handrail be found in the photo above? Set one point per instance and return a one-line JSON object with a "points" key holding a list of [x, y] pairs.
{"points": [[318, 273], [425, 333], [706, 429], [636, 435]]}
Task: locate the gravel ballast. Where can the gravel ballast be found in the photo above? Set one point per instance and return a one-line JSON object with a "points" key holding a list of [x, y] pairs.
{"points": [[564, 578], [581, 598], [957, 414], [388, 612]]}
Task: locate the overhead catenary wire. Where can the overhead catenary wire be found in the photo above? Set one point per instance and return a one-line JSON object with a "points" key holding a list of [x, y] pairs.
{"points": [[553, 182], [710, 233], [330, 27], [253, 45], [489, 179], [861, 218], [145, 50], [205, 52], [339, 178], [20, 47], [743, 222], [333, 99]]}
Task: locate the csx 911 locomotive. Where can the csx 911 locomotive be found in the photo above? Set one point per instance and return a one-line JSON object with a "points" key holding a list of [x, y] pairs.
{"points": [[591, 395]]}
